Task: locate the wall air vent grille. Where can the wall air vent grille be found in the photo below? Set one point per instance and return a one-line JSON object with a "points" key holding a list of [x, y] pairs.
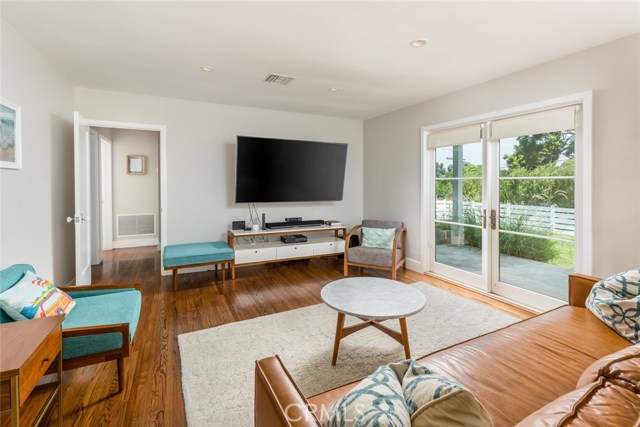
{"points": [[276, 78], [136, 225]]}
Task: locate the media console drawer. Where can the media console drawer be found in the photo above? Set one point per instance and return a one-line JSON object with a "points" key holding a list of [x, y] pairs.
{"points": [[248, 255], [294, 251], [325, 248]]}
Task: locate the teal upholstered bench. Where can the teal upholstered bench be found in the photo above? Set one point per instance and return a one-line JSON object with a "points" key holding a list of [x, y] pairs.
{"points": [[176, 257], [99, 328]]}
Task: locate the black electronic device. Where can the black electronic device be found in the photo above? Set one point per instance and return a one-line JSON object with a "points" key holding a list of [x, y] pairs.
{"points": [[293, 238], [309, 223], [237, 225], [282, 170], [293, 219]]}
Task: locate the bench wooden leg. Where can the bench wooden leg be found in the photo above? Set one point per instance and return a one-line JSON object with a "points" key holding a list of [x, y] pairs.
{"points": [[224, 271], [121, 373], [175, 279], [233, 270], [216, 270]]}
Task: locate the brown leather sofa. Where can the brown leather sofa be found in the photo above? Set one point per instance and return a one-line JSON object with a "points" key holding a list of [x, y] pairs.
{"points": [[513, 372]]}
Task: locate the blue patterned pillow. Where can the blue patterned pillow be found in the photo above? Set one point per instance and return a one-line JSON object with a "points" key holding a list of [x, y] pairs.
{"points": [[378, 237], [376, 401], [435, 400], [616, 301]]}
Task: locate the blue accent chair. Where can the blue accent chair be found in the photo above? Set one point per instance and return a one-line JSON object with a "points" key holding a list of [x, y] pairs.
{"points": [[101, 326]]}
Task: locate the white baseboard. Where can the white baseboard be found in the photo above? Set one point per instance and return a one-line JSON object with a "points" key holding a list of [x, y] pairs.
{"points": [[414, 265], [135, 243]]}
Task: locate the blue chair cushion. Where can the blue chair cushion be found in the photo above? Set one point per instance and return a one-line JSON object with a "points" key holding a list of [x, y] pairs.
{"points": [[96, 310], [9, 277], [196, 253]]}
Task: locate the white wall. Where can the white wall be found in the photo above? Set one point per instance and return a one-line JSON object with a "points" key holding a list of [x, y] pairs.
{"points": [[36, 199], [612, 71], [135, 194], [201, 144]]}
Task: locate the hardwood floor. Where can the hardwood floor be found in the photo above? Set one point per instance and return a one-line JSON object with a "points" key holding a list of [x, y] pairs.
{"points": [[153, 393]]}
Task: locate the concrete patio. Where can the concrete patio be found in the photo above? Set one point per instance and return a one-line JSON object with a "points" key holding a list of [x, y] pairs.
{"points": [[546, 279]]}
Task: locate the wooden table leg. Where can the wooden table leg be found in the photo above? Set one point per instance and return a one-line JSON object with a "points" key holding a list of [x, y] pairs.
{"points": [[175, 279], [60, 413], [405, 337], [336, 344]]}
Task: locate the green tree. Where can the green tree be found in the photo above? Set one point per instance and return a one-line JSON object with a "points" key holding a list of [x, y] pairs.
{"points": [[541, 149]]}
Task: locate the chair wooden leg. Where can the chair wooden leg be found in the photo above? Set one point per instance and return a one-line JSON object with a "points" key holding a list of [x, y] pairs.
{"points": [[346, 267], [394, 273], [121, 373], [224, 270]]}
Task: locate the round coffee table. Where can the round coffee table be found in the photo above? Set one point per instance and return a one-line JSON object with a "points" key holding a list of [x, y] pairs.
{"points": [[372, 300]]}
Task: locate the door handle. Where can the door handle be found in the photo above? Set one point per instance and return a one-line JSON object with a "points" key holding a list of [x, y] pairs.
{"points": [[493, 219], [73, 219]]}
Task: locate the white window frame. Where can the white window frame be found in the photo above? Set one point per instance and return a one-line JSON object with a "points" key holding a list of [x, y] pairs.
{"points": [[583, 180]]}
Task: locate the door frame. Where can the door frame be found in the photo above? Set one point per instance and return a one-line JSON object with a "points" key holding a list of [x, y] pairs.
{"points": [[106, 192], [162, 130], [584, 213]]}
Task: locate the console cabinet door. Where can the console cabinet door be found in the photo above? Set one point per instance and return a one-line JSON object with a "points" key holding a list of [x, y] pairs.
{"points": [[295, 251]]}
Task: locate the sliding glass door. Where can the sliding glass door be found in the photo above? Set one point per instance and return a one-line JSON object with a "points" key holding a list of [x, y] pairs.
{"points": [[457, 206], [502, 216]]}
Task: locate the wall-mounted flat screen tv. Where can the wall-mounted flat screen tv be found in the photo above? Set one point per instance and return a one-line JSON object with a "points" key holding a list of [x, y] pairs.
{"points": [[283, 170]]}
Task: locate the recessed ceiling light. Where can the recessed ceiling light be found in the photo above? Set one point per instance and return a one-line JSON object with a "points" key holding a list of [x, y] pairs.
{"points": [[418, 42], [207, 68], [334, 89]]}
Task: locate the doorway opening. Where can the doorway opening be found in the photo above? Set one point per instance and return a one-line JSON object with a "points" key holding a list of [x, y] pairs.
{"points": [[125, 189], [120, 189]]}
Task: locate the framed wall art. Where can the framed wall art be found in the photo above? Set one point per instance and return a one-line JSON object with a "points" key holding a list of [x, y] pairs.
{"points": [[10, 135]]}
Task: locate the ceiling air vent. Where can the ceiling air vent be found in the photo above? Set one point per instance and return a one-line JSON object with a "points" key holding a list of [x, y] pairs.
{"points": [[276, 78]]}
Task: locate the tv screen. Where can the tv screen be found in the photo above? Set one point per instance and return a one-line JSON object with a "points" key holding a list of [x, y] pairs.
{"points": [[283, 170]]}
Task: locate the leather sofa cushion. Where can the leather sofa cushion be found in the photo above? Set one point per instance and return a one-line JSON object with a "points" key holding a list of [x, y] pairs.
{"points": [[622, 368], [602, 404]]}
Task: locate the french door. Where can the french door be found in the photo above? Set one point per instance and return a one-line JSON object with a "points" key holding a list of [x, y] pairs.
{"points": [[501, 206]]}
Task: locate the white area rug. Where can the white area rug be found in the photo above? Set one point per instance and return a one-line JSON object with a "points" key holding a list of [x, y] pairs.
{"points": [[218, 363]]}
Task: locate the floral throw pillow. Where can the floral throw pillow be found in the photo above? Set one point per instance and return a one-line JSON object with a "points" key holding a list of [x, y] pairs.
{"points": [[616, 301], [34, 297]]}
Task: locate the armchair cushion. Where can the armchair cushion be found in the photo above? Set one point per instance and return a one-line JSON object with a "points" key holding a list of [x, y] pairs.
{"points": [[96, 310], [371, 256]]}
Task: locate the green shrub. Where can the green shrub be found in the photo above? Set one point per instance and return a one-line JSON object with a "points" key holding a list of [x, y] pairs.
{"points": [[526, 247]]}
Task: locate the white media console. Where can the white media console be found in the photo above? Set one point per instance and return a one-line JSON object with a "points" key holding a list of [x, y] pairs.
{"points": [[263, 246]]}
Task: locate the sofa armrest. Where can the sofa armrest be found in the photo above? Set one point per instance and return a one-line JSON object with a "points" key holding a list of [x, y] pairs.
{"points": [[135, 286], [579, 287], [278, 400]]}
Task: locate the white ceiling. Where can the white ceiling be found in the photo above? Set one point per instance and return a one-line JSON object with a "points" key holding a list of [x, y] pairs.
{"points": [[157, 48]]}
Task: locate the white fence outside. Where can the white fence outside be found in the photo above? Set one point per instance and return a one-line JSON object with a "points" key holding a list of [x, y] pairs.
{"points": [[549, 219]]}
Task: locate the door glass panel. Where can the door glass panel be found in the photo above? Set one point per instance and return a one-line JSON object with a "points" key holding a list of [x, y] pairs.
{"points": [[537, 212], [458, 206]]}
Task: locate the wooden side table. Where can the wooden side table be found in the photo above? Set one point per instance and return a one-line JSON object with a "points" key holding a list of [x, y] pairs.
{"points": [[29, 348]]}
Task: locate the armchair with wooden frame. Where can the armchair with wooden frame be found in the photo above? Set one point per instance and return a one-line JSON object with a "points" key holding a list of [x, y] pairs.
{"points": [[380, 259], [100, 327]]}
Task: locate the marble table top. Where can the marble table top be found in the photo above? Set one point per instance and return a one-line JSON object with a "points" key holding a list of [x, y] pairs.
{"points": [[373, 298]]}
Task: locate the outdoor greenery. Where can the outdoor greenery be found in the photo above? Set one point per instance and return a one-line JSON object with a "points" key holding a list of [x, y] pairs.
{"points": [[543, 155]]}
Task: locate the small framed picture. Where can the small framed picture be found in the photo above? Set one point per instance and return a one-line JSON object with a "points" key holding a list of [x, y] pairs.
{"points": [[136, 164], [10, 136]]}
